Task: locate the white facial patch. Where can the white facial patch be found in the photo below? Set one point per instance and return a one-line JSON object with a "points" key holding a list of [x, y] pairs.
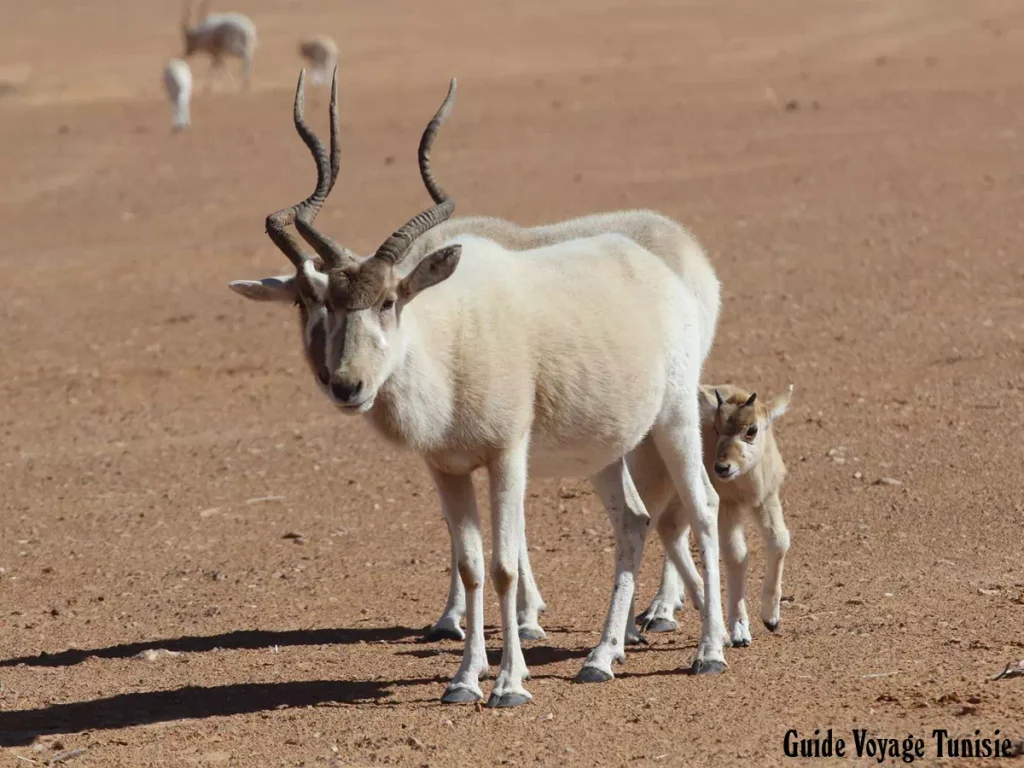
{"points": [[746, 453], [378, 339]]}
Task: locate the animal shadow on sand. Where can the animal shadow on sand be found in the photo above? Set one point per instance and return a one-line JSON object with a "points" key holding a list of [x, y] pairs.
{"points": [[244, 639], [21, 727]]}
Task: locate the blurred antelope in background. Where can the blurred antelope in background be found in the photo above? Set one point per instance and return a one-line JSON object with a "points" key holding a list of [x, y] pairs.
{"points": [[220, 35], [322, 54]]}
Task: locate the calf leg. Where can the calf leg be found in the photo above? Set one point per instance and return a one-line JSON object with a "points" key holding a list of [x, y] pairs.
{"points": [[776, 543], [734, 555]]}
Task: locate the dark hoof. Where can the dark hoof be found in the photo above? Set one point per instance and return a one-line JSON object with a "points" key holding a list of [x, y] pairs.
{"points": [[593, 675], [740, 643], [507, 700], [636, 639], [459, 696], [527, 634], [660, 624], [434, 634], [773, 626], [706, 667]]}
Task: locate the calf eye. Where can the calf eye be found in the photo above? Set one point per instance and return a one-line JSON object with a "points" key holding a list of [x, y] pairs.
{"points": [[752, 431], [389, 303]]}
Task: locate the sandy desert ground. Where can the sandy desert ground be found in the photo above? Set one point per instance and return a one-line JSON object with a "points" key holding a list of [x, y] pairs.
{"points": [[854, 169]]}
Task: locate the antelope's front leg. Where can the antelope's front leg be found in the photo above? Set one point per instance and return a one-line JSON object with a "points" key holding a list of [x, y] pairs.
{"points": [[459, 504], [447, 627], [629, 521], [508, 485]]}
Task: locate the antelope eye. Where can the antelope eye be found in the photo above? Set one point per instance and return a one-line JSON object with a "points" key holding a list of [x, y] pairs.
{"points": [[752, 431], [389, 303]]}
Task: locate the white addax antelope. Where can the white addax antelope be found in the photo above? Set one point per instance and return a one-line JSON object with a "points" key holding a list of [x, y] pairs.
{"points": [[220, 35], [563, 358], [746, 467], [322, 54], [178, 83], [659, 235]]}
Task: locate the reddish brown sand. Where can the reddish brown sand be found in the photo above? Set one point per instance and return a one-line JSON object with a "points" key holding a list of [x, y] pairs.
{"points": [[855, 171]]}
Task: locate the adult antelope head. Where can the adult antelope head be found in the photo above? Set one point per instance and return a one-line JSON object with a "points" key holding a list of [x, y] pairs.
{"points": [[351, 307]]}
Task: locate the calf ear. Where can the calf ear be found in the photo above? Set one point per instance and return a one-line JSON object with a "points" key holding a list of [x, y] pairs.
{"points": [[708, 403], [433, 269], [268, 289], [779, 404]]}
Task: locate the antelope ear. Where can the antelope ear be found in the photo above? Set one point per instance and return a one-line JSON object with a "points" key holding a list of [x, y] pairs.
{"points": [[433, 269], [708, 403], [280, 288], [779, 404]]}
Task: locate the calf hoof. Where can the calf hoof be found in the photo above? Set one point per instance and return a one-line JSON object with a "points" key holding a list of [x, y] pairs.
{"points": [[436, 633], [460, 696], [660, 624], [740, 643], [593, 675], [635, 638], [772, 626], [507, 700], [527, 633], [707, 667]]}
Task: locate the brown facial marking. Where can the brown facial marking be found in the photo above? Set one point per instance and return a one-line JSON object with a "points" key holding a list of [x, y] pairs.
{"points": [[359, 286], [736, 414]]}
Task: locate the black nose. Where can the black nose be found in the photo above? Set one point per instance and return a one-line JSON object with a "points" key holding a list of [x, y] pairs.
{"points": [[345, 391], [722, 469]]}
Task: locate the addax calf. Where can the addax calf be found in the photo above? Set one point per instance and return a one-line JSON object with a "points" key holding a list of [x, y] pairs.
{"points": [[746, 468]]}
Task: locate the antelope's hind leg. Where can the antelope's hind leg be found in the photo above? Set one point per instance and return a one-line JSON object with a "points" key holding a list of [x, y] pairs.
{"points": [[629, 521], [447, 627], [529, 603], [679, 443]]}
